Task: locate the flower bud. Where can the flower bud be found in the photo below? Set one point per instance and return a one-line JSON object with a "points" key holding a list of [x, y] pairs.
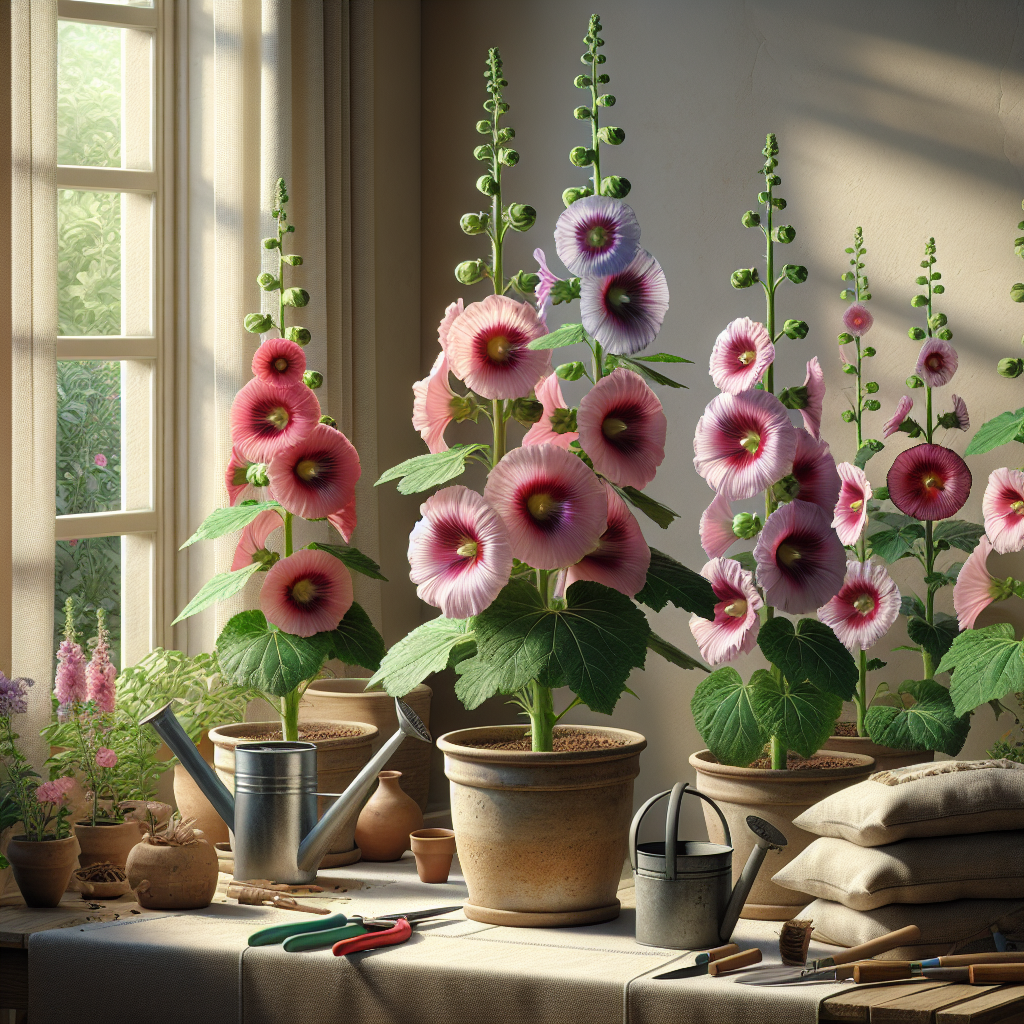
{"points": [[794, 398], [570, 371], [848, 276], [298, 334], [750, 219], [489, 107], [847, 295], [521, 217], [292, 260], [296, 297], [483, 127], [795, 329], [784, 233], [470, 272], [258, 323], [874, 445], [524, 283], [506, 133], [845, 338], [600, 58], [949, 420], [464, 407], [938, 289], [580, 156], [565, 291], [570, 195], [329, 421], [880, 493], [585, 58], [773, 180], [605, 79], [919, 300], [913, 381], [744, 278], [265, 558], [268, 282], [937, 320], [795, 273], [872, 405], [916, 334], [527, 411], [764, 197], [785, 489], [474, 223], [616, 186], [910, 427], [486, 184], [848, 416], [778, 202], [946, 334], [606, 99], [849, 368], [871, 387], [312, 379], [582, 82], [612, 136], [936, 276], [256, 474], [1017, 292], [922, 280], [1010, 368], [509, 157], [483, 152], [746, 526], [563, 421], [581, 113], [271, 243], [868, 352]]}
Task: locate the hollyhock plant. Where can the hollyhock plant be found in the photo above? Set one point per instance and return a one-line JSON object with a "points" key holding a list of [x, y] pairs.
{"points": [[621, 558], [733, 631], [741, 354], [307, 592], [929, 482], [316, 477], [624, 311], [269, 418], [865, 608], [555, 415], [100, 673], [597, 236], [1003, 509]]}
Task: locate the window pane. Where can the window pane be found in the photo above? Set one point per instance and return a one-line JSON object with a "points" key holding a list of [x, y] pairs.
{"points": [[88, 262], [88, 94], [89, 572]]}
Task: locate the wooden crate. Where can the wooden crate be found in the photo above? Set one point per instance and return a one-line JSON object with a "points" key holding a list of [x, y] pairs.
{"points": [[926, 1002]]}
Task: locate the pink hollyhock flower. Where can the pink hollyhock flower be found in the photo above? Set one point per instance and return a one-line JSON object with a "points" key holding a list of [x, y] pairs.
{"points": [[903, 407], [72, 543], [622, 428], [238, 487], [744, 443], [1003, 509], [936, 363], [100, 673], [549, 394], [963, 420], [815, 472], [621, 558], [976, 588], [279, 361], [459, 553], [597, 236], [105, 757], [858, 319], [69, 684], [100, 460], [625, 311], [56, 791], [254, 538], [800, 560], [553, 506], [814, 382], [547, 282], [451, 314], [734, 628], [865, 608], [716, 533], [487, 347], [306, 593], [316, 477], [851, 512], [929, 482], [742, 352], [345, 520], [268, 418], [432, 405]]}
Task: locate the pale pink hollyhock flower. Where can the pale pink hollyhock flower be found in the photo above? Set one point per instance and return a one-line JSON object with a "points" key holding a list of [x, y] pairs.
{"points": [[549, 394], [622, 428], [547, 282], [432, 405], [268, 418], [100, 460], [254, 538], [239, 489], [963, 419], [459, 553], [976, 588], [800, 560], [316, 477], [105, 757], [716, 533], [552, 504], [69, 684], [744, 443], [100, 673], [734, 628], [488, 347], [814, 382], [625, 311], [903, 407], [56, 791], [1003, 509], [936, 363], [451, 314], [279, 361], [858, 319], [851, 512], [345, 520], [306, 593], [597, 236], [865, 608], [742, 352], [815, 471], [929, 482], [621, 558]]}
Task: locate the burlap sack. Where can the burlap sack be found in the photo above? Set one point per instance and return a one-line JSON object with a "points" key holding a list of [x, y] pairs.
{"points": [[947, 798]]}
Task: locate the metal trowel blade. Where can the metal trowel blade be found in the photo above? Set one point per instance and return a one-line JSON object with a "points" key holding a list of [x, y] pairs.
{"points": [[693, 971], [787, 976]]}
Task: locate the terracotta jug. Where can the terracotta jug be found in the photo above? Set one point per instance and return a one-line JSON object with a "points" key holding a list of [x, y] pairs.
{"points": [[173, 877], [382, 831]]}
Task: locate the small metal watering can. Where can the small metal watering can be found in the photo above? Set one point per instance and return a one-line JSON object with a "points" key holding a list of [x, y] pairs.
{"points": [[274, 810], [684, 893]]}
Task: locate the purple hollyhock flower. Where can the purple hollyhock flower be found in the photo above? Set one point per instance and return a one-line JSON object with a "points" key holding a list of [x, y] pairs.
{"points": [[13, 695]]}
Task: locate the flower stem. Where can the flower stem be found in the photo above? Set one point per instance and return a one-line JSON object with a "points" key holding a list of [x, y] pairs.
{"points": [[287, 534], [500, 431], [598, 361], [290, 715], [542, 718], [929, 559], [862, 694], [778, 754]]}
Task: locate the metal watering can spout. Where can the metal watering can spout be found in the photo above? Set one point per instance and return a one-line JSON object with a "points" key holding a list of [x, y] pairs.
{"points": [[767, 837]]}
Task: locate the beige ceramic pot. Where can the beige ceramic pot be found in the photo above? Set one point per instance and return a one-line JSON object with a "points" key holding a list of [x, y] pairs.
{"points": [[346, 700], [108, 843], [885, 757], [339, 760], [43, 869], [778, 797], [168, 877], [387, 819], [542, 836]]}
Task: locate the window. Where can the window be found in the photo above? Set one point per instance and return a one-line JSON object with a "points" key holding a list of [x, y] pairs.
{"points": [[111, 206]]}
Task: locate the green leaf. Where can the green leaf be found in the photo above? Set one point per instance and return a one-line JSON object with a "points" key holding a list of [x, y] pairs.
{"points": [[673, 654], [356, 640], [868, 450], [725, 719], [476, 683], [661, 357], [661, 514], [938, 580], [419, 654], [646, 371], [934, 639], [671, 581], [221, 586], [747, 560], [958, 533], [353, 558], [426, 471], [987, 664], [912, 605], [252, 652], [930, 723], [569, 334], [892, 545], [874, 664], [997, 431], [801, 715], [222, 521], [811, 652]]}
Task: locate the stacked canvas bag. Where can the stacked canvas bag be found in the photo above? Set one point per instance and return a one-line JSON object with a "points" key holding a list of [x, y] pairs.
{"points": [[939, 845]]}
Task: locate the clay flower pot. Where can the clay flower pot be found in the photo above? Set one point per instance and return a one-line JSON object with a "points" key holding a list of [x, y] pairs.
{"points": [[387, 819], [43, 869], [107, 842], [168, 877], [885, 757], [433, 849]]}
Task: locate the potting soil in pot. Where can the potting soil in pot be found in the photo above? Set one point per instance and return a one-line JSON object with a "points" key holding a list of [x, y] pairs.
{"points": [[576, 740], [307, 734], [795, 763]]}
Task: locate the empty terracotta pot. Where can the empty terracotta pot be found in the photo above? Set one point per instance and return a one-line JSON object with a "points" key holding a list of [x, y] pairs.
{"points": [[434, 849], [108, 842], [390, 815], [42, 869]]}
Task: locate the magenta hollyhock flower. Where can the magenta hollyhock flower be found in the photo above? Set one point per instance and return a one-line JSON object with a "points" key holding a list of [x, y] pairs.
{"points": [[742, 352], [858, 319], [316, 477], [865, 608], [929, 482], [100, 672], [345, 520], [936, 363], [903, 407], [814, 382], [1003, 509], [100, 460], [625, 311], [622, 428], [851, 511], [547, 282], [306, 593], [254, 538], [487, 347], [552, 504], [459, 553], [963, 420], [597, 236], [716, 533], [279, 361], [734, 628], [268, 418], [69, 684], [744, 443], [105, 757], [976, 588], [549, 394], [451, 314], [621, 558], [815, 471], [800, 560], [432, 405], [13, 695]]}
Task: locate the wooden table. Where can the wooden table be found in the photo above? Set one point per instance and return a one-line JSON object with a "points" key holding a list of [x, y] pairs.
{"points": [[923, 1002]]}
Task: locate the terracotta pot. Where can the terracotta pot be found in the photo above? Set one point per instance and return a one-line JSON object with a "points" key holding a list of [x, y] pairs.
{"points": [[107, 843], [387, 819], [338, 761], [777, 796], [346, 700], [433, 849], [173, 877], [542, 836], [885, 757], [43, 869], [191, 803]]}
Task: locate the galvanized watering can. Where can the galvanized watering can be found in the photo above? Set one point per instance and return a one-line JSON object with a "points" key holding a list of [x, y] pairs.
{"points": [[684, 893], [274, 809]]}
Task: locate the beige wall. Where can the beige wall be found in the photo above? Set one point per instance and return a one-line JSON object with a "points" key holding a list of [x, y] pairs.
{"points": [[905, 118]]}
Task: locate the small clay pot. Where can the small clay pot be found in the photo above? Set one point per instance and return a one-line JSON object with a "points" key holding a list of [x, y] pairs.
{"points": [[433, 849], [192, 803], [43, 869], [382, 831], [173, 877], [108, 841]]}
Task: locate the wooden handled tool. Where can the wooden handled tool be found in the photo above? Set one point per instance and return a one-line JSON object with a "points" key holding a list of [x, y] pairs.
{"points": [[734, 962], [996, 974], [718, 953], [973, 974], [256, 896], [873, 947]]}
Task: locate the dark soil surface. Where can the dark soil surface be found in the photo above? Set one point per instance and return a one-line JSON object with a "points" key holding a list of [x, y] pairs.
{"points": [[575, 740], [845, 729], [308, 734], [794, 763]]}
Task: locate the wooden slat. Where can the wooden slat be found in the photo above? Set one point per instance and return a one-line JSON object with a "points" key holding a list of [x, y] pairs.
{"points": [[1001, 1004], [856, 1003], [919, 1008], [105, 524], [108, 347], [114, 15], [106, 179]]}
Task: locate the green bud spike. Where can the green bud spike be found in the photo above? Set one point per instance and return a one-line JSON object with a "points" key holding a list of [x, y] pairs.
{"points": [[795, 329], [271, 243], [750, 219], [612, 136], [615, 186], [486, 184], [299, 335], [795, 273], [521, 217], [268, 282], [313, 379], [258, 323], [295, 297], [470, 272]]}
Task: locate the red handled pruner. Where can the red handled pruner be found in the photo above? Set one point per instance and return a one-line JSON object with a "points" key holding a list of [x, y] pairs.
{"points": [[385, 931]]}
